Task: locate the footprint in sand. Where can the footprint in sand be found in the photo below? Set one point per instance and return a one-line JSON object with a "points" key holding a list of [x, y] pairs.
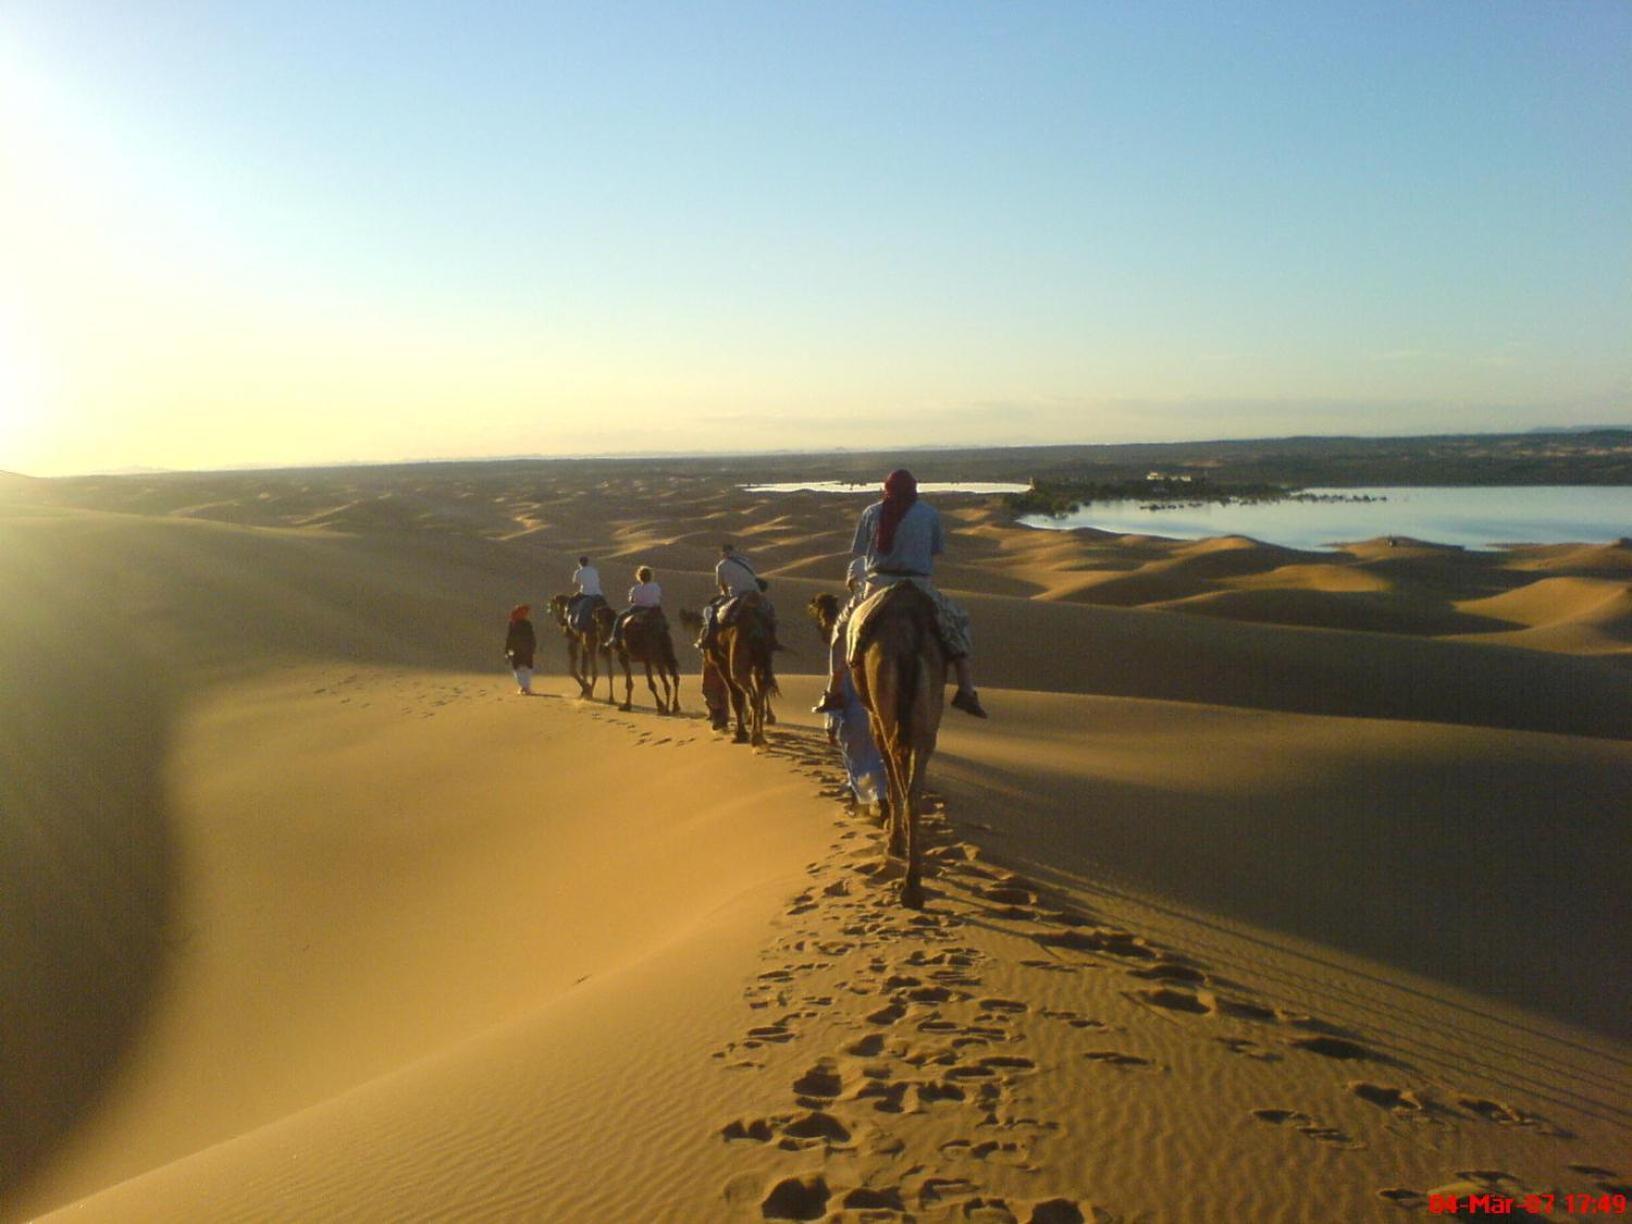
{"points": [[1402, 1103], [1340, 1048], [1171, 999], [1249, 1049], [1171, 971], [1307, 1126], [1493, 1111], [867, 1198], [820, 1082], [1116, 1058], [884, 1097], [1003, 1006], [886, 1015], [797, 1198]]}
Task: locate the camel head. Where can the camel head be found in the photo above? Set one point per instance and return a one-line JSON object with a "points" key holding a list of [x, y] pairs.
{"points": [[824, 610], [558, 609], [691, 621]]}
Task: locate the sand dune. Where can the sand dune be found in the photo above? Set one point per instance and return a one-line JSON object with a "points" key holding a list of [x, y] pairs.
{"points": [[1361, 610], [308, 916], [1553, 601]]}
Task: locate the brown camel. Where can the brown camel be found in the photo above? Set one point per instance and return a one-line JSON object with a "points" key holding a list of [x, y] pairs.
{"points": [[742, 653], [900, 676], [646, 640], [582, 648]]}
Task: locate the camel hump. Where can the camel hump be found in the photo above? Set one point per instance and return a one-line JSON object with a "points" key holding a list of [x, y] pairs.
{"points": [[899, 598]]}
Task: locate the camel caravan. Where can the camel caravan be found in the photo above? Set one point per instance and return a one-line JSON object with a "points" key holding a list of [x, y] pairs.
{"points": [[889, 646]]}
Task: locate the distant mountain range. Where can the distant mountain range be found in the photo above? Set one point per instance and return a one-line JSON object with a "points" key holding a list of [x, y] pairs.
{"points": [[1579, 429]]}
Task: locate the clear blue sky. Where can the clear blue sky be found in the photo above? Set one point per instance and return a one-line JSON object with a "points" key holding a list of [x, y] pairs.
{"points": [[297, 232]]}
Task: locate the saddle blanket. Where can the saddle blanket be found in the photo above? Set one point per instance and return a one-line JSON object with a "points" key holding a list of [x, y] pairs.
{"points": [[581, 612], [951, 621]]}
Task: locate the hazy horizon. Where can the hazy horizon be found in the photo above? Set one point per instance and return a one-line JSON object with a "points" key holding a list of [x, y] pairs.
{"points": [[281, 235]]}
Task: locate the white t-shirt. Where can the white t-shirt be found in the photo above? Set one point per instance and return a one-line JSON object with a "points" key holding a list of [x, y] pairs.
{"points": [[588, 580], [645, 595], [736, 575]]}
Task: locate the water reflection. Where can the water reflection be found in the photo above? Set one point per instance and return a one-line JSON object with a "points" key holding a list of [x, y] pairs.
{"points": [[1472, 518], [872, 486]]}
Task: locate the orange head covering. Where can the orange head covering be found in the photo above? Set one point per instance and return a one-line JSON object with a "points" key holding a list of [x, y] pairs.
{"points": [[519, 612]]}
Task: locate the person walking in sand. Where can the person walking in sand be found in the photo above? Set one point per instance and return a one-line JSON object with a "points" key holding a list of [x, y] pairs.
{"points": [[645, 599], [519, 644], [898, 539]]}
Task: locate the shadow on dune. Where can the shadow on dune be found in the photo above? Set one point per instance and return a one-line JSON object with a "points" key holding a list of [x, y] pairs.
{"points": [[86, 883], [109, 628], [1501, 875], [1049, 647]]}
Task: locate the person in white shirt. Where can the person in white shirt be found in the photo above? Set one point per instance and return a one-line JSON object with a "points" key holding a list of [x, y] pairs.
{"points": [[735, 573], [735, 576], [588, 596], [586, 578], [644, 595]]}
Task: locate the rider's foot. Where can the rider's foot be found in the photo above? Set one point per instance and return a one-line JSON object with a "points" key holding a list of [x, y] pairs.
{"points": [[969, 703], [831, 703]]}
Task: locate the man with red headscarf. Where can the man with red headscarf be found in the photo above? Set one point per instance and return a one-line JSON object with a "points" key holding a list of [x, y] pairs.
{"points": [[899, 539]]}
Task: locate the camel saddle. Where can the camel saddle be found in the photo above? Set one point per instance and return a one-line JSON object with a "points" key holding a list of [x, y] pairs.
{"points": [[737, 607], [647, 616], [858, 631], [581, 611]]}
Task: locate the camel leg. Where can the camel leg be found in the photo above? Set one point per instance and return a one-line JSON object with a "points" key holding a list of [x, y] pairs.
{"points": [[674, 676], [912, 889], [628, 683], [739, 700], [611, 677], [896, 819], [651, 683]]}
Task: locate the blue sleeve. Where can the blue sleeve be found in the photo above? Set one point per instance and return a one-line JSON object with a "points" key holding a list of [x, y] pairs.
{"points": [[864, 534], [937, 539]]}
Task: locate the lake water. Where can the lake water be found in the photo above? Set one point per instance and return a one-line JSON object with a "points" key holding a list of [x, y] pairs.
{"points": [[1473, 518], [872, 486]]}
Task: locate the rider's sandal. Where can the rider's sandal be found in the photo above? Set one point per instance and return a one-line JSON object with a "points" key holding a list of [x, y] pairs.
{"points": [[969, 703]]}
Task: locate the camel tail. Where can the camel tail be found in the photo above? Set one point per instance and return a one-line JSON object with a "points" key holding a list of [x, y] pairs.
{"points": [[907, 676]]}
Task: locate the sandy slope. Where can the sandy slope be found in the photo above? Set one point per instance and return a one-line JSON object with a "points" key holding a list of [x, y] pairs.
{"points": [[308, 917]]}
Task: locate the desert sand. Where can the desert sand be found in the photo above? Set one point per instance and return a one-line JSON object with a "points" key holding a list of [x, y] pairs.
{"points": [[1280, 885]]}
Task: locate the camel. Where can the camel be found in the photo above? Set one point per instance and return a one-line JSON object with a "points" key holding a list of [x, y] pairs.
{"points": [[582, 647], [745, 655], [742, 654], [716, 693], [645, 640], [900, 676]]}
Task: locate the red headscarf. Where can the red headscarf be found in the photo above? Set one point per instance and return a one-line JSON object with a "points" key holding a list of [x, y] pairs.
{"points": [[900, 491], [519, 612]]}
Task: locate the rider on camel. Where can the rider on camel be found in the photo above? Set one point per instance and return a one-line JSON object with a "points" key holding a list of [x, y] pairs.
{"points": [[645, 597], [588, 581], [735, 577], [898, 539]]}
